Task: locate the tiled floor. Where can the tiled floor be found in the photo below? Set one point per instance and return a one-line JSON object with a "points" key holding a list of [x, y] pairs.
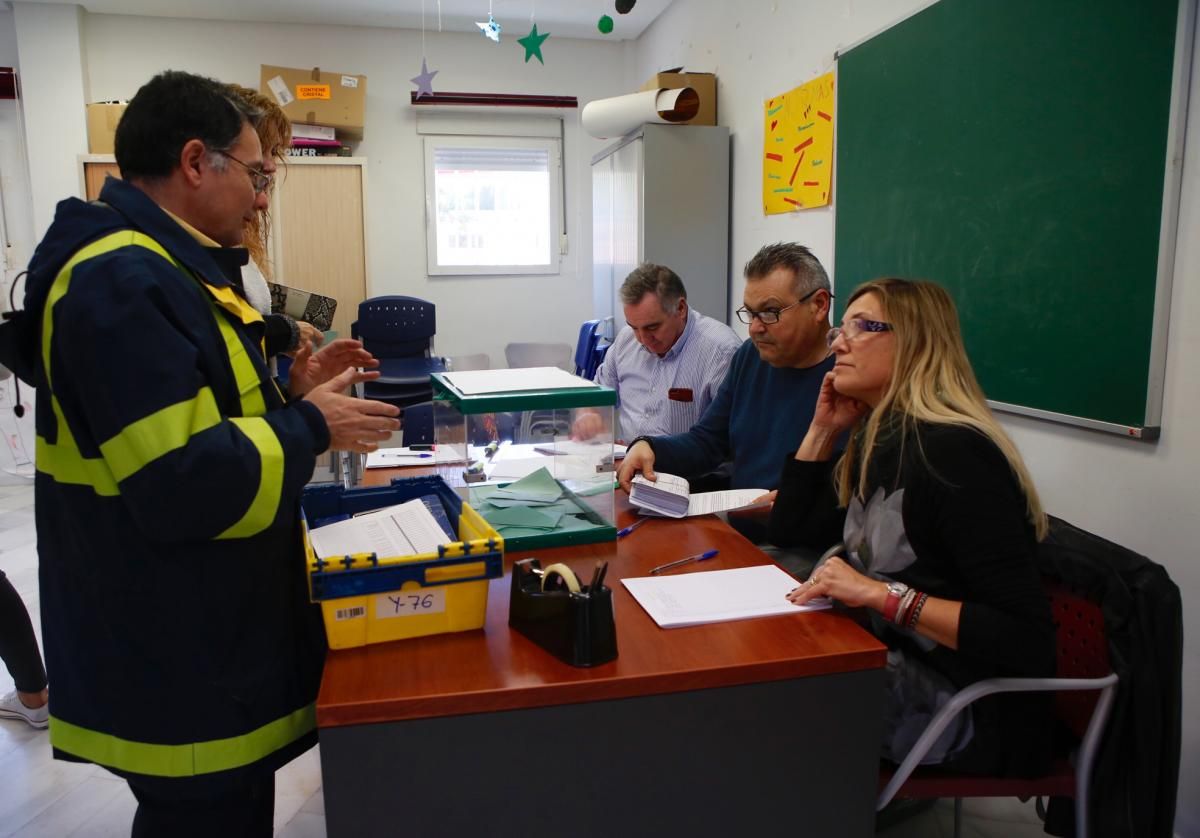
{"points": [[48, 799]]}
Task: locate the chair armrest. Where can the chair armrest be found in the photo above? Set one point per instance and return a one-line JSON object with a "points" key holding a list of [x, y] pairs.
{"points": [[970, 694]]}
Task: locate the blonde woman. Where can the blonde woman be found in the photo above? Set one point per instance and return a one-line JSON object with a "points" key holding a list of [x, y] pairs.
{"points": [[284, 334], [939, 520]]}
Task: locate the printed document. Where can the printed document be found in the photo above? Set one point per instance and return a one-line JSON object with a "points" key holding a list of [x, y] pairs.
{"points": [[406, 529], [715, 596]]}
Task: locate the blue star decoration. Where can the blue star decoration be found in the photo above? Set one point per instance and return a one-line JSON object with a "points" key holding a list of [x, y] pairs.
{"points": [[533, 44], [424, 82], [490, 28]]}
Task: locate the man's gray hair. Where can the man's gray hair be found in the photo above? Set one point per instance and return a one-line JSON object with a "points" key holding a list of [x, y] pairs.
{"points": [[808, 272], [659, 279]]}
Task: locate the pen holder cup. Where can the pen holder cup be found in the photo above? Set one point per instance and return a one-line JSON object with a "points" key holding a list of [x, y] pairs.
{"points": [[577, 628]]}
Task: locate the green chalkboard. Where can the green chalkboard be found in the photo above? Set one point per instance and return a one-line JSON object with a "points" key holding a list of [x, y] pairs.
{"points": [[1015, 151]]}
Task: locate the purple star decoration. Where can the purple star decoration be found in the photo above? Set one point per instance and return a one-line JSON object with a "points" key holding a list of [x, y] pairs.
{"points": [[424, 82]]}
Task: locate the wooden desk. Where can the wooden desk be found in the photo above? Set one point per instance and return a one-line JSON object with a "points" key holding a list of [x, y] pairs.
{"points": [[751, 728]]}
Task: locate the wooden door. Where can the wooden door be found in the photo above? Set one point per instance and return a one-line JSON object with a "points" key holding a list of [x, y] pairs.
{"points": [[317, 228], [94, 173]]}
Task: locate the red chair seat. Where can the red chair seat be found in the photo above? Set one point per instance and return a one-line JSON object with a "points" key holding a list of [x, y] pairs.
{"points": [[930, 782]]}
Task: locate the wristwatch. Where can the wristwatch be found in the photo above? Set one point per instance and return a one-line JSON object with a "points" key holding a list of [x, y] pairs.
{"points": [[895, 595]]}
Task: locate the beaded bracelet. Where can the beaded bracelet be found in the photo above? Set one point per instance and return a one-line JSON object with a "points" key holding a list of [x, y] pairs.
{"points": [[915, 614], [905, 603]]}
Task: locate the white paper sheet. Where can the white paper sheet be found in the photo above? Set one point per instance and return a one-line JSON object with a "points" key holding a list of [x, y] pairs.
{"points": [[690, 599], [475, 382], [406, 529]]}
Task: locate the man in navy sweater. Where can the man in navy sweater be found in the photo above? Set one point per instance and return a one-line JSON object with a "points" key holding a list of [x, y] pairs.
{"points": [[767, 398]]}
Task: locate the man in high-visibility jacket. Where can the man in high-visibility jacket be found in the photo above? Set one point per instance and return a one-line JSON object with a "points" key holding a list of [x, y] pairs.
{"points": [[182, 650]]}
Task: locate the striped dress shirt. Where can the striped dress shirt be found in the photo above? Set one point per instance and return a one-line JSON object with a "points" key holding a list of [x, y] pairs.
{"points": [[652, 392]]}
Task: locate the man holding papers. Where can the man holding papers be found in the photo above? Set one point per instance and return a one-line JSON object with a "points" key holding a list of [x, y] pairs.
{"points": [[767, 398], [667, 365]]}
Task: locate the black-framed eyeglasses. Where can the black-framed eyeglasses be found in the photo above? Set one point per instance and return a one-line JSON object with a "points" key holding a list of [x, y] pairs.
{"points": [[770, 316], [853, 328], [260, 179]]}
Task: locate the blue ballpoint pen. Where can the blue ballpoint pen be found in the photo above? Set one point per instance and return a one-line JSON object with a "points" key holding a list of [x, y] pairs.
{"points": [[699, 557], [624, 531]]}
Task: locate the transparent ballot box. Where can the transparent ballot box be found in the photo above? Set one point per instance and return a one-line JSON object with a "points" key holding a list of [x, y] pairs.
{"points": [[532, 451]]}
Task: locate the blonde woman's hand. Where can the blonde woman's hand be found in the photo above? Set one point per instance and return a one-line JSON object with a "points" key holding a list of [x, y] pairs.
{"points": [[834, 412], [836, 579]]}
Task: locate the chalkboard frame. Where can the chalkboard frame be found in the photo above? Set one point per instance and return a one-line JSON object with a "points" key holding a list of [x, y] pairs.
{"points": [[1150, 426]]}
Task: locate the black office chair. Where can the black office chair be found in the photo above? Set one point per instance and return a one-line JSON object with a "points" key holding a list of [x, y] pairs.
{"points": [[399, 332]]}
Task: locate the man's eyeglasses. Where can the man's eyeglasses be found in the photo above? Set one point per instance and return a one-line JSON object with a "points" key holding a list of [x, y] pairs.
{"points": [[260, 179], [770, 316], [853, 328]]}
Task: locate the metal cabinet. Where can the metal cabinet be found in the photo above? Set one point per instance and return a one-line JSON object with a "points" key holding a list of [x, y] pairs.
{"points": [[661, 195]]}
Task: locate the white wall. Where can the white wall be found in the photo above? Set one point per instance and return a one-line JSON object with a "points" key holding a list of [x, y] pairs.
{"points": [[53, 83], [18, 434], [474, 314], [1140, 495], [14, 168]]}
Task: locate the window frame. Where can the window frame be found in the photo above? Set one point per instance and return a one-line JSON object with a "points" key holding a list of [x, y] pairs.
{"points": [[553, 147]]}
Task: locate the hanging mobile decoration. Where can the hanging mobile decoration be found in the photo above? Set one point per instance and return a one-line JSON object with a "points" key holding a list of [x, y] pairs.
{"points": [[489, 28], [533, 42], [424, 81], [605, 24], [624, 7]]}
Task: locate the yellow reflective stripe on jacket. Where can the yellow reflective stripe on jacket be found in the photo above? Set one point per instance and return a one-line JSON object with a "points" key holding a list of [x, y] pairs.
{"points": [[181, 760], [249, 385], [64, 462], [170, 427], [160, 433], [270, 482]]}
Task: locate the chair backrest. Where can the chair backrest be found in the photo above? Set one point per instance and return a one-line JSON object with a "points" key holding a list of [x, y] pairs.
{"points": [[396, 326], [584, 348], [598, 354], [1081, 649], [538, 355]]}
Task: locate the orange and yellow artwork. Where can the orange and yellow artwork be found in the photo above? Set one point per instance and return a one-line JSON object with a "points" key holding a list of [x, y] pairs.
{"points": [[798, 147]]}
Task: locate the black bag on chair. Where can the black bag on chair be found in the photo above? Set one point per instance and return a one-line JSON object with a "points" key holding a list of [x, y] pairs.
{"points": [[1136, 777]]}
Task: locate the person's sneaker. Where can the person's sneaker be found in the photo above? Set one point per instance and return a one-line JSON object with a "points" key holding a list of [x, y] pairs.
{"points": [[12, 708]]}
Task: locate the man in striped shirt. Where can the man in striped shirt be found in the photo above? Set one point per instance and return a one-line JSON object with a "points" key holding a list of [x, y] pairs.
{"points": [[667, 364]]}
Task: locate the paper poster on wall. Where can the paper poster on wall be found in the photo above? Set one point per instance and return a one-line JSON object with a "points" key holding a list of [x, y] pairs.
{"points": [[798, 147]]}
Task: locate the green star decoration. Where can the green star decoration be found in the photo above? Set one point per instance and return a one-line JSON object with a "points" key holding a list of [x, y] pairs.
{"points": [[533, 44]]}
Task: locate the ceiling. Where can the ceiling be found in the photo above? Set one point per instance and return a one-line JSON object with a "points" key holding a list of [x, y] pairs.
{"points": [[564, 18]]}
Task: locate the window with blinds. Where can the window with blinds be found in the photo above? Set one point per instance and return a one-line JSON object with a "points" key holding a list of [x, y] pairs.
{"points": [[492, 204]]}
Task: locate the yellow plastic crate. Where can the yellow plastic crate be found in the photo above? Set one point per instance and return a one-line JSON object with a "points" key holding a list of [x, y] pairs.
{"points": [[369, 599]]}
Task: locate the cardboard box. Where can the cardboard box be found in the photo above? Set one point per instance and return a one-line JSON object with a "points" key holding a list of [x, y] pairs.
{"points": [[318, 97], [102, 119], [705, 85]]}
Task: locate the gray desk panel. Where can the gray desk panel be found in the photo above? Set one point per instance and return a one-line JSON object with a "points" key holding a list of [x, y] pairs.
{"points": [[793, 757]]}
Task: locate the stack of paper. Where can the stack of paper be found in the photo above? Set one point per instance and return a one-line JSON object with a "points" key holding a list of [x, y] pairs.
{"points": [[690, 599], [532, 379], [531, 506], [407, 529], [667, 496]]}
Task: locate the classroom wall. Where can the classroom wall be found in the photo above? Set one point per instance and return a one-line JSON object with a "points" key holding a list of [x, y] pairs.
{"points": [[474, 314], [1141, 495], [18, 433]]}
